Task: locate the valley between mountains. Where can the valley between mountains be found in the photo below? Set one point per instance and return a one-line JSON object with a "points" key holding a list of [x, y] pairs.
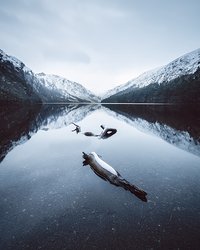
{"points": [[176, 82]]}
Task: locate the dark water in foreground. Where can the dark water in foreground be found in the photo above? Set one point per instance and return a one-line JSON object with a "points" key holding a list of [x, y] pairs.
{"points": [[48, 200]]}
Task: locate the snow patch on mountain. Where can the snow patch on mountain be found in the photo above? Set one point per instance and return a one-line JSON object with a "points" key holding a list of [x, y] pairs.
{"points": [[50, 88], [66, 87], [184, 65], [14, 61]]}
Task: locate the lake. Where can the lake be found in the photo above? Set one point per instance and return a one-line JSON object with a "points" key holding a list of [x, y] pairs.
{"points": [[49, 200]]}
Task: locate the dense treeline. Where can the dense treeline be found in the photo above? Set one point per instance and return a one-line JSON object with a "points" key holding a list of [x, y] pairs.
{"points": [[184, 89]]}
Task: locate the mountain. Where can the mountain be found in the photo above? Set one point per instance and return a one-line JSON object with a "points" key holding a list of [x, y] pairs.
{"points": [[16, 81], [178, 81], [70, 90], [19, 84]]}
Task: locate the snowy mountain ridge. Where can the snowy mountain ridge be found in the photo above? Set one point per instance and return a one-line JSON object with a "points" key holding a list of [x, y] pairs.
{"points": [[14, 61], [184, 65], [66, 87], [45, 88]]}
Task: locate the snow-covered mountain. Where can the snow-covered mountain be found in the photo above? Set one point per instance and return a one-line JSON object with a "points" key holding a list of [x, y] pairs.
{"points": [[17, 64], [70, 90], [187, 64], [19, 84]]}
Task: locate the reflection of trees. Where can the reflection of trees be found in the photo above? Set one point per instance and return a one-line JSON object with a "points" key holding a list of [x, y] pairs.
{"points": [[179, 125], [183, 118], [181, 90], [19, 122]]}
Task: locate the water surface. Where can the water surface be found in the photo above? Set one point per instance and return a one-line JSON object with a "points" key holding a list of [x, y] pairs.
{"points": [[49, 200]]}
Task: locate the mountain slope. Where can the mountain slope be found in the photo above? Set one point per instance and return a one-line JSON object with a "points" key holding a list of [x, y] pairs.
{"points": [[70, 90], [159, 84], [15, 81], [19, 84]]}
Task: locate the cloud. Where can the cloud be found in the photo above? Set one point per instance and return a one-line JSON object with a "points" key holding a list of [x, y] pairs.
{"points": [[66, 55]]}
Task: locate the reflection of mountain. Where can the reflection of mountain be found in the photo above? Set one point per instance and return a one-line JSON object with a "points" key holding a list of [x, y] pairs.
{"points": [[58, 116], [178, 125], [19, 123]]}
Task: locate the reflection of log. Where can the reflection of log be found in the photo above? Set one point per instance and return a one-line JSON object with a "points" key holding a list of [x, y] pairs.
{"points": [[107, 173], [89, 134], [106, 133], [77, 129]]}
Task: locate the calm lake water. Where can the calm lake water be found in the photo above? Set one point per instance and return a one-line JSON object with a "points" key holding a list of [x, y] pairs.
{"points": [[49, 200]]}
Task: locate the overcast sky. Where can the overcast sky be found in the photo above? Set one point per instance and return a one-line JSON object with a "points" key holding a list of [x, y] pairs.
{"points": [[98, 43]]}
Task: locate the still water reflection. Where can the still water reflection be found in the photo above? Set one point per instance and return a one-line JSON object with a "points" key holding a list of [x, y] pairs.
{"points": [[50, 201]]}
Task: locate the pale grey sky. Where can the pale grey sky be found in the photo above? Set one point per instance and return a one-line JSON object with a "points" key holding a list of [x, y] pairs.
{"points": [[98, 43]]}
